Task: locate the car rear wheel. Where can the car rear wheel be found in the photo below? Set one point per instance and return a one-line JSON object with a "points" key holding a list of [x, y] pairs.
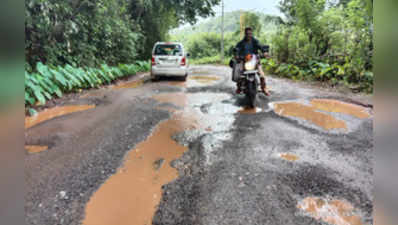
{"points": [[184, 78], [154, 78]]}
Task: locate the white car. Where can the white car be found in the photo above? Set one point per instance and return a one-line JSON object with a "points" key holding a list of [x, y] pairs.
{"points": [[169, 59]]}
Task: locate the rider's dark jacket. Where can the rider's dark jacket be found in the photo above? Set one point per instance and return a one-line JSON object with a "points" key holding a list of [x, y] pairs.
{"points": [[245, 47]]}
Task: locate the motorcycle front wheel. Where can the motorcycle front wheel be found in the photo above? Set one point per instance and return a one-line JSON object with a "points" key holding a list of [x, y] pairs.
{"points": [[251, 93]]}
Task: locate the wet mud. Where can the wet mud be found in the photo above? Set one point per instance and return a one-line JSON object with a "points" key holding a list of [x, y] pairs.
{"points": [[53, 113], [336, 212]]}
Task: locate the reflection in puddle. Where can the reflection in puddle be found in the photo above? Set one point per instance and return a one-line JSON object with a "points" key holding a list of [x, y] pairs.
{"points": [[131, 196], [331, 105], [248, 110], [131, 84], [289, 157], [330, 211], [204, 79], [36, 148], [54, 112], [308, 113]]}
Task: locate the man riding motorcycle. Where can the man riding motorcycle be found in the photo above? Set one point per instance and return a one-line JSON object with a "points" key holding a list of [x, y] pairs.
{"points": [[250, 45]]}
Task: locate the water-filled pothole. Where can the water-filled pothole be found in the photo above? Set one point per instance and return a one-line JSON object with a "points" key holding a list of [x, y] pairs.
{"points": [[249, 110], [131, 195], [54, 112], [331, 105], [204, 79], [36, 148], [337, 212], [308, 113], [289, 157], [131, 84]]}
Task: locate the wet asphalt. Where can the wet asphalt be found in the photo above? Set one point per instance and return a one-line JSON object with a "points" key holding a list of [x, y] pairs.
{"points": [[232, 172]]}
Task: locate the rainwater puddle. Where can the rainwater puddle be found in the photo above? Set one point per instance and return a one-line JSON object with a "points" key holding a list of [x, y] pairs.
{"points": [[248, 110], [289, 157], [54, 112], [132, 195], [131, 84], [204, 79], [334, 212], [35, 148], [331, 105], [178, 99], [308, 113]]}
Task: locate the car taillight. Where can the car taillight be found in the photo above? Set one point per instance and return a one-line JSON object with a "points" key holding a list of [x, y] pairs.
{"points": [[153, 61], [183, 61]]}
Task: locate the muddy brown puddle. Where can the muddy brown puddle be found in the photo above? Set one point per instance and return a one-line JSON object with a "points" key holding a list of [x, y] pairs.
{"points": [[131, 84], [132, 194], [289, 157], [313, 113], [336, 212], [204, 79], [35, 148], [308, 113], [331, 105], [249, 110], [48, 114]]}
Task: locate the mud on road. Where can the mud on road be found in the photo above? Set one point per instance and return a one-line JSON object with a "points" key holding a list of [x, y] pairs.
{"points": [[172, 152]]}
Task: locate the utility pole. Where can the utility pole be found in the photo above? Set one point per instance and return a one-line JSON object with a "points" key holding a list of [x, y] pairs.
{"points": [[222, 30]]}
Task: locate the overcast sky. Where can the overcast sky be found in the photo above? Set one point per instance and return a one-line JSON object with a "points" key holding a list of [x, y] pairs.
{"points": [[265, 6]]}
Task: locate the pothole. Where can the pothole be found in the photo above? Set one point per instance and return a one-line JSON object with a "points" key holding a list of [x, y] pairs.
{"points": [[289, 157], [35, 148], [331, 105], [131, 84], [54, 112], [249, 110], [204, 79], [337, 212], [131, 195], [294, 109]]}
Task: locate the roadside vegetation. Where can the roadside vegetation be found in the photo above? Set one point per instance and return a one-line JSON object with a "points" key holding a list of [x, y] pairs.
{"points": [[52, 81], [323, 40], [77, 44]]}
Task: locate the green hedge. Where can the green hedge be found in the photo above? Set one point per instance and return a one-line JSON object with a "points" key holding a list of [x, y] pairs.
{"points": [[50, 81]]}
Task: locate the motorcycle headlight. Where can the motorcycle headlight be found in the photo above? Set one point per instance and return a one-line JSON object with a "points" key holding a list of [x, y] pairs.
{"points": [[250, 65]]}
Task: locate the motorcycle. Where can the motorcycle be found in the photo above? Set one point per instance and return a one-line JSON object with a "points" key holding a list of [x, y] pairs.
{"points": [[248, 75]]}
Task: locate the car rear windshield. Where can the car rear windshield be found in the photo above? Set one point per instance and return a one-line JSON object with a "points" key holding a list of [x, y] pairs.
{"points": [[173, 50]]}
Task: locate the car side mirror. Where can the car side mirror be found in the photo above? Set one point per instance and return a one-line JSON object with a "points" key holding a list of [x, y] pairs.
{"points": [[188, 55]]}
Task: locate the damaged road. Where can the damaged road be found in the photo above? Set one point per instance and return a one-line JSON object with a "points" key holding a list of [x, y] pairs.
{"points": [[172, 152]]}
